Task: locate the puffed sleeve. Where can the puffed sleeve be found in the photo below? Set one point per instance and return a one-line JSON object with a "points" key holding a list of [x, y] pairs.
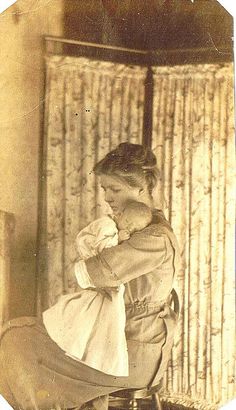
{"points": [[96, 236], [139, 255]]}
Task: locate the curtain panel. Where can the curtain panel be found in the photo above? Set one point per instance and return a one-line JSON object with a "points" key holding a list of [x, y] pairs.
{"points": [[90, 107], [193, 138]]}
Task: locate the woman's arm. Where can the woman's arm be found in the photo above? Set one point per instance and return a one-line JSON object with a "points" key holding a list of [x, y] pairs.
{"points": [[139, 255]]}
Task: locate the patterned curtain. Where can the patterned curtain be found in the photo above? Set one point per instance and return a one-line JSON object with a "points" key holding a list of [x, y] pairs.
{"points": [[193, 139], [91, 106]]}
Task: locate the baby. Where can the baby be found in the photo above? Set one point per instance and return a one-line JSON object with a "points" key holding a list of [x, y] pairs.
{"points": [[90, 325], [135, 217]]}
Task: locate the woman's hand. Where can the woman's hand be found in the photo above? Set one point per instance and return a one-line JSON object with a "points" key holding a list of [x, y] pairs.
{"points": [[123, 235]]}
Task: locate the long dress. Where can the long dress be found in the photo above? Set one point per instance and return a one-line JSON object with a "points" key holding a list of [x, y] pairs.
{"points": [[35, 372], [89, 325]]}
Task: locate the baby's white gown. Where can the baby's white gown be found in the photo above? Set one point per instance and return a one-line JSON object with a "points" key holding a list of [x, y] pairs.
{"points": [[89, 325]]}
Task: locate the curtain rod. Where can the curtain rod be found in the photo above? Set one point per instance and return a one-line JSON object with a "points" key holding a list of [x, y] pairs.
{"points": [[88, 44], [151, 52]]}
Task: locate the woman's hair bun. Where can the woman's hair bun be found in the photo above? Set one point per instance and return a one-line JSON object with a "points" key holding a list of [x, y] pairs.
{"points": [[136, 154], [135, 163]]}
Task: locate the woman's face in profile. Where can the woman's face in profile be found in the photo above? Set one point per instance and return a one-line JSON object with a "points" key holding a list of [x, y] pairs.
{"points": [[117, 193]]}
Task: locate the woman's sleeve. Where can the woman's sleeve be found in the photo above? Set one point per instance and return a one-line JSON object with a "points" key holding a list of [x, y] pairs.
{"points": [[97, 235], [139, 255]]}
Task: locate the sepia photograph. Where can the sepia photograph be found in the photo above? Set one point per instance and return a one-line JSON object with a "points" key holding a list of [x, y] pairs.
{"points": [[117, 205]]}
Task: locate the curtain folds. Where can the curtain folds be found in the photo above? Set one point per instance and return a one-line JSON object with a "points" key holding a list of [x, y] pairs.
{"points": [[90, 107], [193, 138]]}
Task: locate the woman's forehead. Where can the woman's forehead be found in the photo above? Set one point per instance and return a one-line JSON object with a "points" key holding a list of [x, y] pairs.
{"points": [[108, 180]]}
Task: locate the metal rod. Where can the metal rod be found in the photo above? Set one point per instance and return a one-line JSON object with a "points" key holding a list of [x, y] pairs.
{"points": [[131, 50], [87, 44]]}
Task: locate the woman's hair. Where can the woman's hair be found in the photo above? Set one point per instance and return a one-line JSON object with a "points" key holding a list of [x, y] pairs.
{"points": [[133, 163]]}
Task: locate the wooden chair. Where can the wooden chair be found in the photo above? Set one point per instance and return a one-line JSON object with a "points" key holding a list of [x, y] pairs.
{"points": [[133, 399]]}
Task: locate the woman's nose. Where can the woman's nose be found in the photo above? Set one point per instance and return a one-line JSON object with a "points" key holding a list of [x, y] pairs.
{"points": [[108, 197]]}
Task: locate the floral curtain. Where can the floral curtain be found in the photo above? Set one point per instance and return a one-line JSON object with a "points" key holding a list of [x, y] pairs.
{"points": [[193, 139], [91, 106]]}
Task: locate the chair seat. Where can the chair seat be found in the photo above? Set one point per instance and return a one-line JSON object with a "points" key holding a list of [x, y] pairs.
{"points": [[137, 393], [131, 398], [124, 404]]}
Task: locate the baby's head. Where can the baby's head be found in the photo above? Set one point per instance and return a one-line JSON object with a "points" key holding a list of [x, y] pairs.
{"points": [[135, 217]]}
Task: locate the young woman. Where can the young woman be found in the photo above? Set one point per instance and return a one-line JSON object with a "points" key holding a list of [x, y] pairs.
{"points": [[36, 373]]}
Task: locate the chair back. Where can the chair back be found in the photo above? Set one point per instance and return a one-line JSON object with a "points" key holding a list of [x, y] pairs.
{"points": [[171, 322]]}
